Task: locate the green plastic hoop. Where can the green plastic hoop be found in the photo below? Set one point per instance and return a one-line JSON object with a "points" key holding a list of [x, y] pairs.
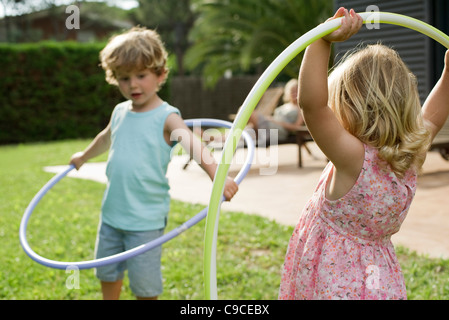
{"points": [[211, 232]]}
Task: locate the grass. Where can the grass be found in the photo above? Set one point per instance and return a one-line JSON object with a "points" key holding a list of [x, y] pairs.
{"points": [[63, 227]]}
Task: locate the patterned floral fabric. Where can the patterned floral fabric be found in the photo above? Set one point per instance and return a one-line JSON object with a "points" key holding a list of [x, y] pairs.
{"points": [[342, 249]]}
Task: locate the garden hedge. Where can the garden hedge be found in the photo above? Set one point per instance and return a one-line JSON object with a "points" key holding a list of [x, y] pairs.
{"points": [[53, 91]]}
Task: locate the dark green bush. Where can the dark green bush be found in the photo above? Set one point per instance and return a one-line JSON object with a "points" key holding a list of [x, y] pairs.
{"points": [[53, 91]]}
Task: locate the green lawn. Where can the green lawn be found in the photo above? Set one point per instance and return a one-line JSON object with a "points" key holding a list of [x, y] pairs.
{"points": [[63, 227]]}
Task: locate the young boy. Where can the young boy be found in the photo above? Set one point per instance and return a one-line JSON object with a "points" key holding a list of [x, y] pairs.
{"points": [[139, 138]]}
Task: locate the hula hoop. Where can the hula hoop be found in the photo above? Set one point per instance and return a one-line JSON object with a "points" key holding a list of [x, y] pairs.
{"points": [[140, 249], [210, 243]]}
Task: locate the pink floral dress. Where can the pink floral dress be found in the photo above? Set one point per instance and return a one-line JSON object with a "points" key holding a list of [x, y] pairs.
{"points": [[342, 249]]}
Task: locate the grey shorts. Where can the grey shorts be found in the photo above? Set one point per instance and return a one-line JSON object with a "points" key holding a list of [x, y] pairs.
{"points": [[265, 126], [144, 270]]}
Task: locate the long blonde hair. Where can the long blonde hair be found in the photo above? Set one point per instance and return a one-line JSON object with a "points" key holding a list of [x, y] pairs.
{"points": [[136, 49], [375, 97]]}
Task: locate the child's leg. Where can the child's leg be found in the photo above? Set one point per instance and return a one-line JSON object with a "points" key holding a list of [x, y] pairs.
{"points": [[109, 242], [111, 290], [144, 270]]}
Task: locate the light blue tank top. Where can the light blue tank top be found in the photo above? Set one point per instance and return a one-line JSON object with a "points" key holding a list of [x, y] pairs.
{"points": [[137, 193]]}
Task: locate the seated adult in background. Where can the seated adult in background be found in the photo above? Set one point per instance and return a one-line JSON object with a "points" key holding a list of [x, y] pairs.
{"points": [[285, 119]]}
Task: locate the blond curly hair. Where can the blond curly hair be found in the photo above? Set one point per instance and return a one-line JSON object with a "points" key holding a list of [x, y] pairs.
{"points": [[375, 97], [135, 50]]}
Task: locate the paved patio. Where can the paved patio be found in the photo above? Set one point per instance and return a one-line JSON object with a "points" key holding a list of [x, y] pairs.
{"points": [[277, 189]]}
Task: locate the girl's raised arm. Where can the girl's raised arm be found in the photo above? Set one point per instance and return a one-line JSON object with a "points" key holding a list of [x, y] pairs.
{"points": [[436, 107], [336, 143]]}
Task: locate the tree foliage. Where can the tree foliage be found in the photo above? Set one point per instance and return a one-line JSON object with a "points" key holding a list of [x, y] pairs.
{"points": [[173, 19], [247, 35]]}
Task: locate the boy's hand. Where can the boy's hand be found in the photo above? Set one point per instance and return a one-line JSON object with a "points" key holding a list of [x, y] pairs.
{"points": [[77, 160], [230, 189], [350, 25]]}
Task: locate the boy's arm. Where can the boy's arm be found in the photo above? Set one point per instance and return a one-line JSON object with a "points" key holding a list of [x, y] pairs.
{"points": [[436, 108], [99, 145], [178, 131]]}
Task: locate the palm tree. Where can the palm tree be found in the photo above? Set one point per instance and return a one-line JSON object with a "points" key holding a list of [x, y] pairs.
{"points": [[247, 35]]}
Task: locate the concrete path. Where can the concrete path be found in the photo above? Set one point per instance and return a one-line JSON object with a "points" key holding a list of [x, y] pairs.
{"points": [[278, 190]]}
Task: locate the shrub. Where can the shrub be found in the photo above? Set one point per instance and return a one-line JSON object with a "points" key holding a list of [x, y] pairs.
{"points": [[53, 91]]}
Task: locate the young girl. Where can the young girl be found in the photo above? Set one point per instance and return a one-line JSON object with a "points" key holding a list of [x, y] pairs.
{"points": [[367, 120], [139, 138]]}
